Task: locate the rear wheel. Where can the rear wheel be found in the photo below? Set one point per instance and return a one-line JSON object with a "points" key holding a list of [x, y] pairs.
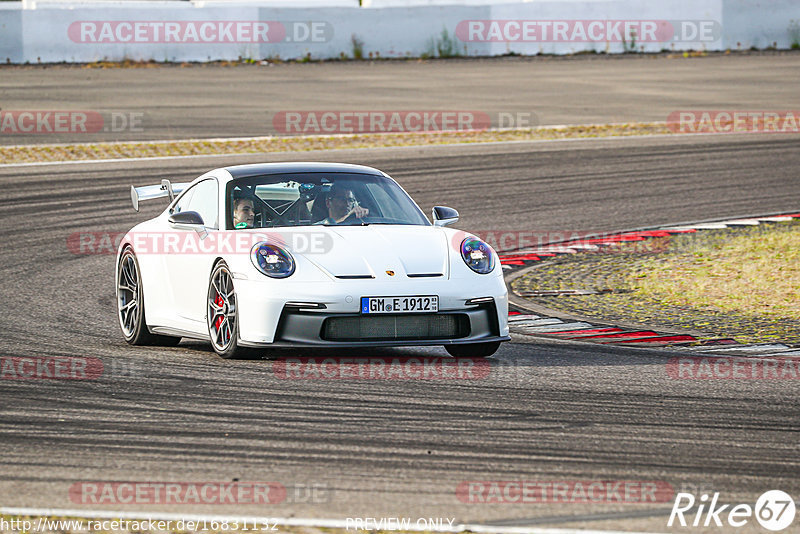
{"points": [[222, 315], [473, 350], [130, 304]]}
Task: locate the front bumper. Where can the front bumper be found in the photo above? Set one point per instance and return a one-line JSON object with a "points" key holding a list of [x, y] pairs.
{"points": [[268, 318], [296, 328]]}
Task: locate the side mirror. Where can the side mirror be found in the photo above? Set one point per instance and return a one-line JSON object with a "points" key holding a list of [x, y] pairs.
{"points": [[444, 216], [186, 217]]}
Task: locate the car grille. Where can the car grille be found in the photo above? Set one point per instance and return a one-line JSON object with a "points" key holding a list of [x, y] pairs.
{"points": [[391, 327]]}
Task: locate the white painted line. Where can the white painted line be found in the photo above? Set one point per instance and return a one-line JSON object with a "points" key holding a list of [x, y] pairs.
{"points": [[537, 322], [583, 246], [523, 317], [543, 127], [541, 322], [624, 138], [742, 222], [564, 327], [120, 160], [287, 521], [762, 347], [784, 354], [242, 154], [706, 348], [707, 226], [776, 219]]}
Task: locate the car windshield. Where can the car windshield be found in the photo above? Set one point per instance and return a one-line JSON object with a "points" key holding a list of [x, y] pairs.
{"points": [[329, 199]]}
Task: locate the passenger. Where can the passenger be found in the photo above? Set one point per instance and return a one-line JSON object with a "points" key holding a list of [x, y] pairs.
{"points": [[243, 213]]}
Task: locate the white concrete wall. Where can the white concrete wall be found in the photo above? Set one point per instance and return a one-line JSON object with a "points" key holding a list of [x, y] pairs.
{"points": [[42, 34], [761, 24]]}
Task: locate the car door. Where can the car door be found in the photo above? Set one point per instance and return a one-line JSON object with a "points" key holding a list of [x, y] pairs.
{"points": [[189, 263]]}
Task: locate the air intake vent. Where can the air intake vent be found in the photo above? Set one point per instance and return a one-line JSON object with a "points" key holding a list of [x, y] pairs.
{"points": [[425, 275], [354, 276], [396, 327]]}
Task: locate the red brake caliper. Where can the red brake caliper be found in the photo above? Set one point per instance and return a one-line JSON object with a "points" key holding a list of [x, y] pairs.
{"points": [[218, 320]]}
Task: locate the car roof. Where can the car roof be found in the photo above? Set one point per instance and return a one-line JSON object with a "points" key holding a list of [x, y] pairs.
{"points": [[256, 169]]}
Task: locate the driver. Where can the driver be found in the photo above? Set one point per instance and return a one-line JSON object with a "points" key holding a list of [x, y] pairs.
{"points": [[342, 203], [243, 212]]}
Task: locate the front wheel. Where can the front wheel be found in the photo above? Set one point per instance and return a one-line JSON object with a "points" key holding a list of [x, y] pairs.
{"points": [[222, 315], [473, 350]]}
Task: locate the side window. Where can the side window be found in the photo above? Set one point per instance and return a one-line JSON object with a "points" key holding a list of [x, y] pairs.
{"points": [[204, 201], [184, 201], [201, 198]]}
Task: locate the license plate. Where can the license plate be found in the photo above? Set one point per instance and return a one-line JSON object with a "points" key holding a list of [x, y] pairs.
{"points": [[417, 304]]}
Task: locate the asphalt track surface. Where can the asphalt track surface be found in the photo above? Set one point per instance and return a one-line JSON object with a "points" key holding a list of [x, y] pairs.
{"points": [[214, 101], [548, 411]]}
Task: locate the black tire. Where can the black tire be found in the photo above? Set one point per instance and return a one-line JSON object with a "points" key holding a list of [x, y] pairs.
{"points": [[473, 350], [222, 322], [130, 305]]}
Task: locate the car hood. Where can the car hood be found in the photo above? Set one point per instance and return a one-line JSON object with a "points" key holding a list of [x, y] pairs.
{"points": [[371, 251]]}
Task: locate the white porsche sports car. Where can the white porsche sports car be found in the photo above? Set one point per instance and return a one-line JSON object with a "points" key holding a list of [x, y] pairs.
{"points": [[302, 255]]}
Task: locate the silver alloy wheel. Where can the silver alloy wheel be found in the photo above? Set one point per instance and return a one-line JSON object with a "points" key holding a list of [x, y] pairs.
{"points": [[221, 309], [128, 295]]}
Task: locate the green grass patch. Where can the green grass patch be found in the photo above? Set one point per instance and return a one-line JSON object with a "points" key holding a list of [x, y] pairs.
{"points": [[753, 273], [740, 282]]}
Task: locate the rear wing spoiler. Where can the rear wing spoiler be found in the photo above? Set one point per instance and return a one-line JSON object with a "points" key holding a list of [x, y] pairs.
{"points": [[150, 192]]}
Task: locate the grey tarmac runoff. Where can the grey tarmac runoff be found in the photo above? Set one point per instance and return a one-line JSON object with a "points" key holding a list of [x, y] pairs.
{"points": [[212, 101], [546, 410]]}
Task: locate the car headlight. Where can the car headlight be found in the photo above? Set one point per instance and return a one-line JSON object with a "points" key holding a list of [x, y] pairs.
{"points": [[477, 255], [272, 260]]}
